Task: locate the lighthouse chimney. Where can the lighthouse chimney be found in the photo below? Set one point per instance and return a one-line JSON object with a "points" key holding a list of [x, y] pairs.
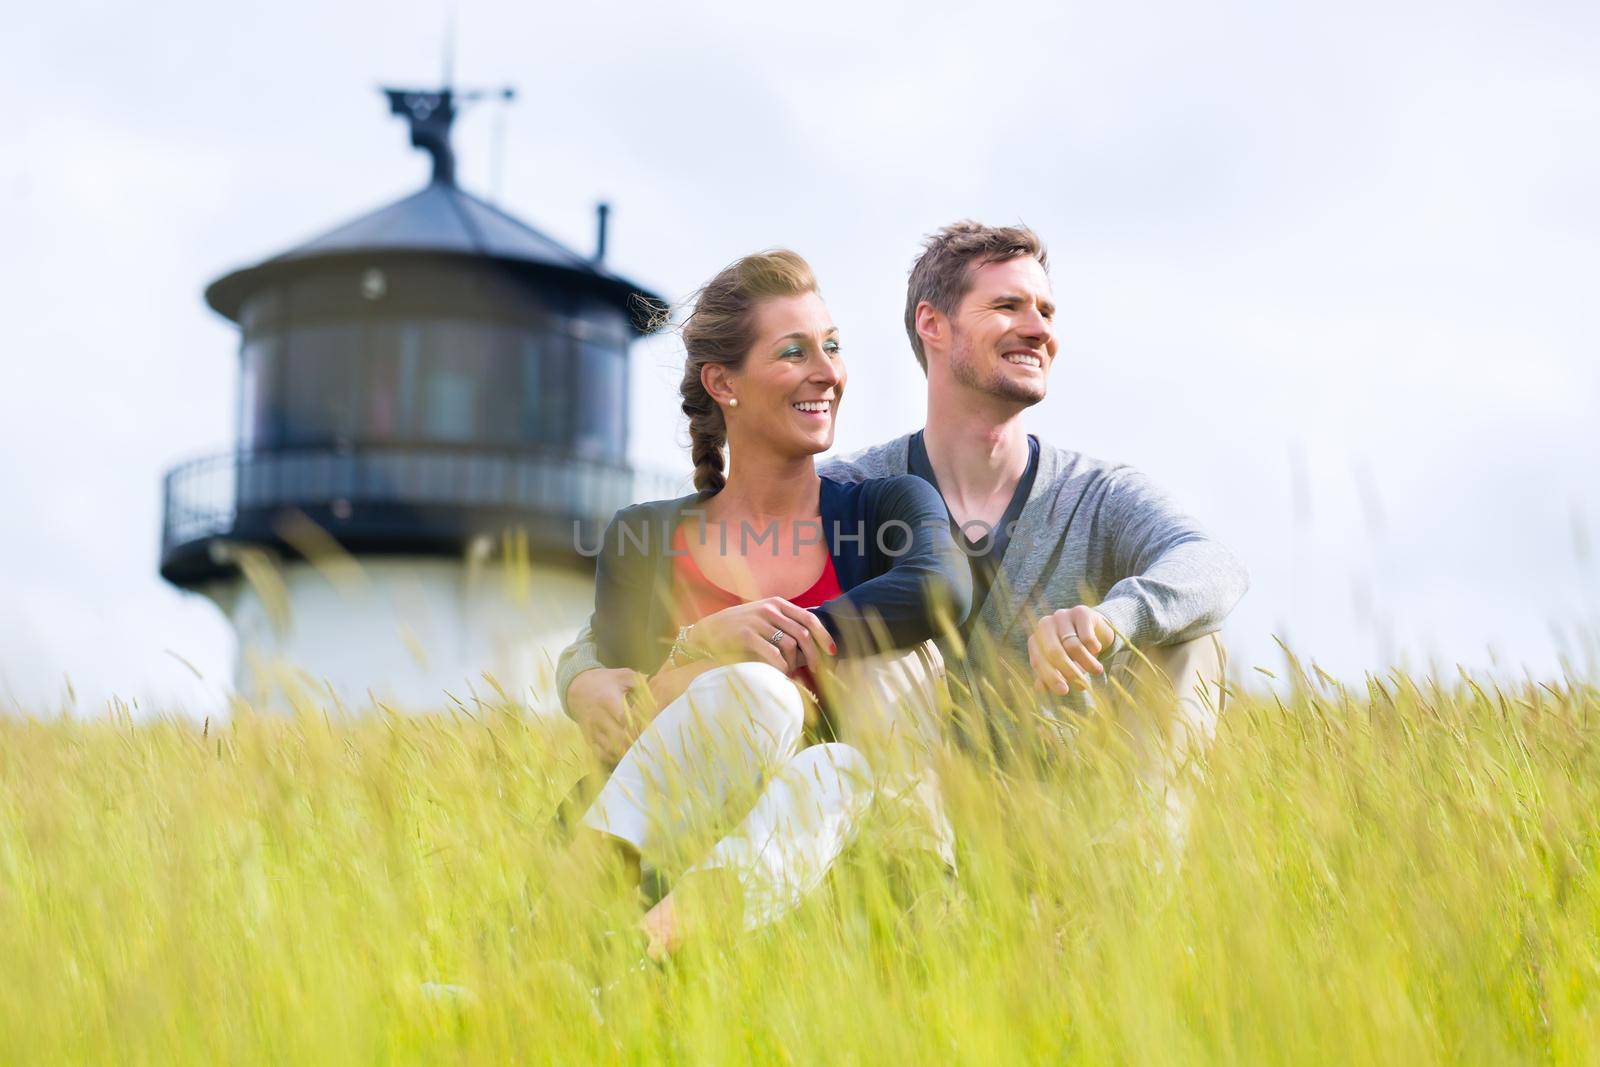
{"points": [[602, 212]]}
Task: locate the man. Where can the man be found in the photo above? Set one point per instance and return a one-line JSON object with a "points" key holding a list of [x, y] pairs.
{"points": [[1077, 563]]}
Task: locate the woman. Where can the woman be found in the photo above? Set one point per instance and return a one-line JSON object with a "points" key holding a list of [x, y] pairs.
{"points": [[736, 599]]}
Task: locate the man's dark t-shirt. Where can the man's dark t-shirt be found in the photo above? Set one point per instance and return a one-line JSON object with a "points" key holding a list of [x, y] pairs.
{"points": [[984, 553]]}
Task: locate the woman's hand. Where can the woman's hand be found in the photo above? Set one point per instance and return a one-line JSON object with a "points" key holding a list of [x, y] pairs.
{"points": [[744, 632]]}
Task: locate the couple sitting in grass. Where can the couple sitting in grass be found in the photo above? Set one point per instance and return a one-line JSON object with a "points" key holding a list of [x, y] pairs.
{"points": [[788, 645]]}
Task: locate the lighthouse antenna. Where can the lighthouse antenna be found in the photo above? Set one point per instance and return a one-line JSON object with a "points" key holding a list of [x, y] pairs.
{"points": [[497, 143], [430, 115], [449, 63], [497, 149]]}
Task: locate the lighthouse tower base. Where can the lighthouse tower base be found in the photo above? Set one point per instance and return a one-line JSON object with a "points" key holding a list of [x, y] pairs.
{"points": [[415, 634]]}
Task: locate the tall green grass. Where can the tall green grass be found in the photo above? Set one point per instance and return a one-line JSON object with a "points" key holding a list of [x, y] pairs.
{"points": [[1401, 875]]}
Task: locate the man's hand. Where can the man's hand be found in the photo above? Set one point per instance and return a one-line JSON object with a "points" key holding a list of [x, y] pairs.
{"points": [[1063, 648], [597, 700]]}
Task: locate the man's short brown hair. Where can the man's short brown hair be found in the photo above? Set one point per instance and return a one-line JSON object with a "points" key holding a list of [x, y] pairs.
{"points": [[942, 275]]}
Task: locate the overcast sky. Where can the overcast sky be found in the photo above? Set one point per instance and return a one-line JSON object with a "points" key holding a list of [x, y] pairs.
{"points": [[1327, 274]]}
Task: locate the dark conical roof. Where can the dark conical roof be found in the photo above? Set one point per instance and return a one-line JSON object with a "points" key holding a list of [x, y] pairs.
{"points": [[441, 219]]}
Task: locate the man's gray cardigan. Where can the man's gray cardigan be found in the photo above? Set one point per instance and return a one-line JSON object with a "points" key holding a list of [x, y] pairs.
{"points": [[1092, 533]]}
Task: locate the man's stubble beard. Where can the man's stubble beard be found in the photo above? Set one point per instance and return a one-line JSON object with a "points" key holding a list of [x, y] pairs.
{"points": [[964, 369]]}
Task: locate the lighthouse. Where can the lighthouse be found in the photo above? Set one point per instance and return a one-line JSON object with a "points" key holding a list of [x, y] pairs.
{"points": [[432, 421]]}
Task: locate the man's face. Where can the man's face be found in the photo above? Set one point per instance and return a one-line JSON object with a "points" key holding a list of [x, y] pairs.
{"points": [[1002, 337]]}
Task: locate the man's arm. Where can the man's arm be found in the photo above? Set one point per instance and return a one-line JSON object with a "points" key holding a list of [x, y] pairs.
{"points": [[1169, 581], [1166, 585], [599, 705], [582, 655], [928, 584], [597, 698], [616, 579]]}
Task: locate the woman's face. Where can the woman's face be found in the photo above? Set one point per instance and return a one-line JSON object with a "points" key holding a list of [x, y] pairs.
{"points": [[791, 381]]}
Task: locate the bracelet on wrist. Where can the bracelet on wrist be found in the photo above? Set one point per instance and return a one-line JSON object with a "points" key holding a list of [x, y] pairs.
{"points": [[681, 652]]}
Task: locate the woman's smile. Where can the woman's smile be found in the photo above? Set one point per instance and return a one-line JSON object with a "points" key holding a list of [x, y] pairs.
{"points": [[821, 410]]}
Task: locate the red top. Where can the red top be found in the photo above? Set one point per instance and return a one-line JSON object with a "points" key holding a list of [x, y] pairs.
{"points": [[695, 596]]}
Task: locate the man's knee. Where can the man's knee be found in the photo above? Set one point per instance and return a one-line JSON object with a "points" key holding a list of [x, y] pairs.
{"points": [[1184, 666], [1190, 674], [1196, 669], [897, 671], [891, 696]]}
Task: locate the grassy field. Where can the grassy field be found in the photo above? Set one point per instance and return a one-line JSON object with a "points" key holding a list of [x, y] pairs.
{"points": [[1406, 873]]}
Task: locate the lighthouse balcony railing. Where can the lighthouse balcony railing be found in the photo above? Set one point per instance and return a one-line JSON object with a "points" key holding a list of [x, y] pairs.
{"points": [[205, 497]]}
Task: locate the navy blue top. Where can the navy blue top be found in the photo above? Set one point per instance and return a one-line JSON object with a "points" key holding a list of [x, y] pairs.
{"points": [[892, 549]]}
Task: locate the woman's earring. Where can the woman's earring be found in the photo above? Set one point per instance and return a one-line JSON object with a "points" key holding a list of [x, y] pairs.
{"points": [[733, 401]]}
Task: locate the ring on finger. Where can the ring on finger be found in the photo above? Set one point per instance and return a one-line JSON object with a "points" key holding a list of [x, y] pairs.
{"points": [[777, 638]]}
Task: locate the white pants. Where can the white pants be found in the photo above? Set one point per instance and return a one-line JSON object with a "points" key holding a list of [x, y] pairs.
{"points": [[718, 780]]}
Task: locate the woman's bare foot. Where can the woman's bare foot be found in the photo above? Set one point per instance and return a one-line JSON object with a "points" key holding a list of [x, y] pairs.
{"points": [[701, 900], [661, 929]]}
